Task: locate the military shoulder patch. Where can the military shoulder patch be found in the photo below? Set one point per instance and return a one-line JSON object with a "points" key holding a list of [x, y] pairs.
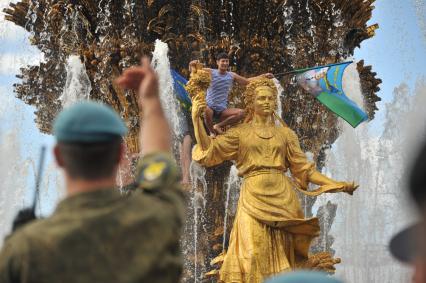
{"points": [[155, 171]]}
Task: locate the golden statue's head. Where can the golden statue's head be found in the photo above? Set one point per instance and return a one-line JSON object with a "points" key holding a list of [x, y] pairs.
{"points": [[260, 98], [198, 83]]}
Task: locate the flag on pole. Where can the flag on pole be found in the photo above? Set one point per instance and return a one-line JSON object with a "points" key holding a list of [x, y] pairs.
{"points": [[325, 83], [179, 83]]}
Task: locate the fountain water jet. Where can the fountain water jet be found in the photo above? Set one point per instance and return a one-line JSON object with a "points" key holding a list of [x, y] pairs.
{"points": [[256, 46], [161, 64], [370, 218], [77, 85]]}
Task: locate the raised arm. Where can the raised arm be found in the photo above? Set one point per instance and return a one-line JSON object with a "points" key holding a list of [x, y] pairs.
{"points": [[155, 130], [245, 81]]}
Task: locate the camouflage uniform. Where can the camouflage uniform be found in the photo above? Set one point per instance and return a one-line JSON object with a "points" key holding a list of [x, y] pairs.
{"points": [[104, 236]]}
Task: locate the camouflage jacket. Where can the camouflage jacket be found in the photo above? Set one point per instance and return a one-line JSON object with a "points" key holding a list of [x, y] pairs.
{"points": [[103, 236]]}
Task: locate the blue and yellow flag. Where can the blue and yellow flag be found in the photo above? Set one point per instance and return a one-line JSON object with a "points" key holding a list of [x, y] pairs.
{"points": [[325, 83], [179, 83]]}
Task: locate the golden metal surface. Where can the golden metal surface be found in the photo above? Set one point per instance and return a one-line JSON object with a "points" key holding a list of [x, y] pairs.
{"points": [[270, 234]]}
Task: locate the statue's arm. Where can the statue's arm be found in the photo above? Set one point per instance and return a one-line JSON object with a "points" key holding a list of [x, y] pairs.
{"points": [[201, 136], [319, 179], [305, 172], [208, 151]]}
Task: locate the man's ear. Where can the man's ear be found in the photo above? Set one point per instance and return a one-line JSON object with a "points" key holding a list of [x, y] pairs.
{"points": [[58, 157]]}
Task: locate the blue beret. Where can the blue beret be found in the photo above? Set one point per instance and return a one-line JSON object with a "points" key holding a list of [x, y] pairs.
{"points": [[303, 277], [88, 122]]}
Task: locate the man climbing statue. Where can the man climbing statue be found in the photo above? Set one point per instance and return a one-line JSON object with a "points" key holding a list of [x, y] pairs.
{"points": [[218, 92]]}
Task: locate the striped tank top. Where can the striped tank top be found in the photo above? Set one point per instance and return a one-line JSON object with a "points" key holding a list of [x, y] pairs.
{"points": [[217, 93]]}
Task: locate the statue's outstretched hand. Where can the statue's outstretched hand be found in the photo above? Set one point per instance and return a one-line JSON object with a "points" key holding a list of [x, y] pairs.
{"points": [[322, 261], [349, 188]]}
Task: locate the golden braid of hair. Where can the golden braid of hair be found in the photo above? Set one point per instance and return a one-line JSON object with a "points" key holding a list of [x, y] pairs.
{"points": [[250, 95]]}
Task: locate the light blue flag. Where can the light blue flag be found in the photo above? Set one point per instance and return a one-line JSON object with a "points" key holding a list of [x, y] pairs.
{"points": [[325, 83]]}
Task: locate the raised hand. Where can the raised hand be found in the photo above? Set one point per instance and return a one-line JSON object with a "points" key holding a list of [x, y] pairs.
{"points": [[154, 128], [142, 79]]}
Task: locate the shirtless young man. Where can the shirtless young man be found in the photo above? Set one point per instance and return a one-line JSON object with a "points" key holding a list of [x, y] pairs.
{"points": [[218, 92]]}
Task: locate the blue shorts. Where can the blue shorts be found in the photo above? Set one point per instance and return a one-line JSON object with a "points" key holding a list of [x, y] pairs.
{"points": [[216, 114]]}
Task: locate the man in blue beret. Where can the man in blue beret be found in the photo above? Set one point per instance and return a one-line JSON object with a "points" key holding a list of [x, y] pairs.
{"points": [[96, 234]]}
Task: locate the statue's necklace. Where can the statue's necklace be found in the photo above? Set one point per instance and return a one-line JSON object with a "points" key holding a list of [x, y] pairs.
{"points": [[264, 131]]}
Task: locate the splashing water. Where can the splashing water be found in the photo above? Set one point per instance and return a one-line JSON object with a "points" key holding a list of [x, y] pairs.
{"points": [[280, 91], [232, 190], [17, 167], [161, 64], [12, 189], [103, 19], [380, 207], [196, 207], [196, 218], [77, 85]]}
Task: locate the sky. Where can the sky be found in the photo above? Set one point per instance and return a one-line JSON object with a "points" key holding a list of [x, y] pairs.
{"points": [[398, 50], [397, 53]]}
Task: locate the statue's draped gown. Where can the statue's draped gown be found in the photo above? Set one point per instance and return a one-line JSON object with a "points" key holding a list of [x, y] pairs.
{"points": [[270, 234]]}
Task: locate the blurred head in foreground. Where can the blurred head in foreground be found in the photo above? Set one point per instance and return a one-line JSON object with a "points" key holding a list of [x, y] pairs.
{"points": [[408, 246], [303, 277]]}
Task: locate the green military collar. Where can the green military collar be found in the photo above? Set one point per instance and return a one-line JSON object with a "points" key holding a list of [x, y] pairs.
{"points": [[98, 198]]}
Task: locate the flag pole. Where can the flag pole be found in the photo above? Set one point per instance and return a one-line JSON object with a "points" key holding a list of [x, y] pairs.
{"points": [[311, 68]]}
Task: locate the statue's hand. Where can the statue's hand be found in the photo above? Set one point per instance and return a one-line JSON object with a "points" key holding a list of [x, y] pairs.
{"points": [[322, 261], [349, 188]]}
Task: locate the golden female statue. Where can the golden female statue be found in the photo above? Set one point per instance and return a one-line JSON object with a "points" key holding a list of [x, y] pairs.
{"points": [[270, 234]]}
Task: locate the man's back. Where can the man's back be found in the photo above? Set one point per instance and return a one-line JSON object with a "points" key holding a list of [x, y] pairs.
{"points": [[96, 234], [101, 236]]}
